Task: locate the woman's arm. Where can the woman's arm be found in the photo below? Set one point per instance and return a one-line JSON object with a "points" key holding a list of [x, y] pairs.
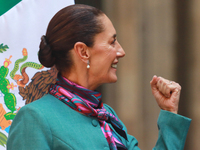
{"points": [[173, 129]]}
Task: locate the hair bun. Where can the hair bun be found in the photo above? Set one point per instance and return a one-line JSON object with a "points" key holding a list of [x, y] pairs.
{"points": [[45, 55]]}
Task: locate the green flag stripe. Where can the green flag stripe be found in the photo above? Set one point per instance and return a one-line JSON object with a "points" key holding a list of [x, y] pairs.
{"points": [[5, 5]]}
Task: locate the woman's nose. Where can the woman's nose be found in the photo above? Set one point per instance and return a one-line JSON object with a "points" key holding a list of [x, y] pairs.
{"points": [[120, 51]]}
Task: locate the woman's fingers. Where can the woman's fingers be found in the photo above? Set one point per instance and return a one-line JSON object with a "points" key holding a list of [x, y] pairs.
{"points": [[154, 81], [166, 93], [165, 86]]}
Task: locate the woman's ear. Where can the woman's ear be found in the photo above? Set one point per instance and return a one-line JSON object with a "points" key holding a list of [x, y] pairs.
{"points": [[82, 51]]}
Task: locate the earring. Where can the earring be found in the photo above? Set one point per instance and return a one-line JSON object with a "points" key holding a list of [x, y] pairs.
{"points": [[88, 64]]}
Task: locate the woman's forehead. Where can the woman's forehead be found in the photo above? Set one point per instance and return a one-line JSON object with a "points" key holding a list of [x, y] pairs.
{"points": [[108, 27]]}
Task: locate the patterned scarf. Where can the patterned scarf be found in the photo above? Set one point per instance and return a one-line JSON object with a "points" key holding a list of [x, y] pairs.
{"points": [[89, 103]]}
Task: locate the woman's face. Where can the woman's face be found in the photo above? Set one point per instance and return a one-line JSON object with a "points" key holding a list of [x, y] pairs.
{"points": [[105, 55]]}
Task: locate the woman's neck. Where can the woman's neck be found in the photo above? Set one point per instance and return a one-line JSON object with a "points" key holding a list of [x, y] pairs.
{"points": [[81, 78]]}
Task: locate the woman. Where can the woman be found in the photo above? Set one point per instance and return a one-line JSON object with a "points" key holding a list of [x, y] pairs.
{"points": [[81, 42]]}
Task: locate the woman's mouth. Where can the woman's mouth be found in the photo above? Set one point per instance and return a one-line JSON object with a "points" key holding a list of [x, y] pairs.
{"points": [[114, 66]]}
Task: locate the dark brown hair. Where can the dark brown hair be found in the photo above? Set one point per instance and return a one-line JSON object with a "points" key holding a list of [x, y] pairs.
{"points": [[75, 23]]}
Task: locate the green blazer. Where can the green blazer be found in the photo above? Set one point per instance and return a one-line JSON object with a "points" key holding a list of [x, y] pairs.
{"points": [[49, 124]]}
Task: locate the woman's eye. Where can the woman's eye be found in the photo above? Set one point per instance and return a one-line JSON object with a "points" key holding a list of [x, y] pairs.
{"points": [[113, 42]]}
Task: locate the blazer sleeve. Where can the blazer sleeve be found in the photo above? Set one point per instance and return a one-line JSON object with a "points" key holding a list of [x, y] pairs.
{"points": [[173, 129], [29, 131]]}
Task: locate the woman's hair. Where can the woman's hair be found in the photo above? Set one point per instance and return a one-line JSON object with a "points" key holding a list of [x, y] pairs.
{"points": [[75, 23]]}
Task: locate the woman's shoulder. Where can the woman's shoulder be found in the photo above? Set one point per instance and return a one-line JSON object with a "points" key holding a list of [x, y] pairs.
{"points": [[46, 101], [44, 105]]}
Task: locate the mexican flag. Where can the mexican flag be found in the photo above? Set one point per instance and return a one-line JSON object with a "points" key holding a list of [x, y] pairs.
{"points": [[22, 78]]}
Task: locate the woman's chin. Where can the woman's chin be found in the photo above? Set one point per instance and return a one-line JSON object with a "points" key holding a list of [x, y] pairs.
{"points": [[110, 79], [113, 79]]}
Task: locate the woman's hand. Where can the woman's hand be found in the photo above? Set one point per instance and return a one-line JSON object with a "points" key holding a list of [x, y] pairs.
{"points": [[166, 93]]}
